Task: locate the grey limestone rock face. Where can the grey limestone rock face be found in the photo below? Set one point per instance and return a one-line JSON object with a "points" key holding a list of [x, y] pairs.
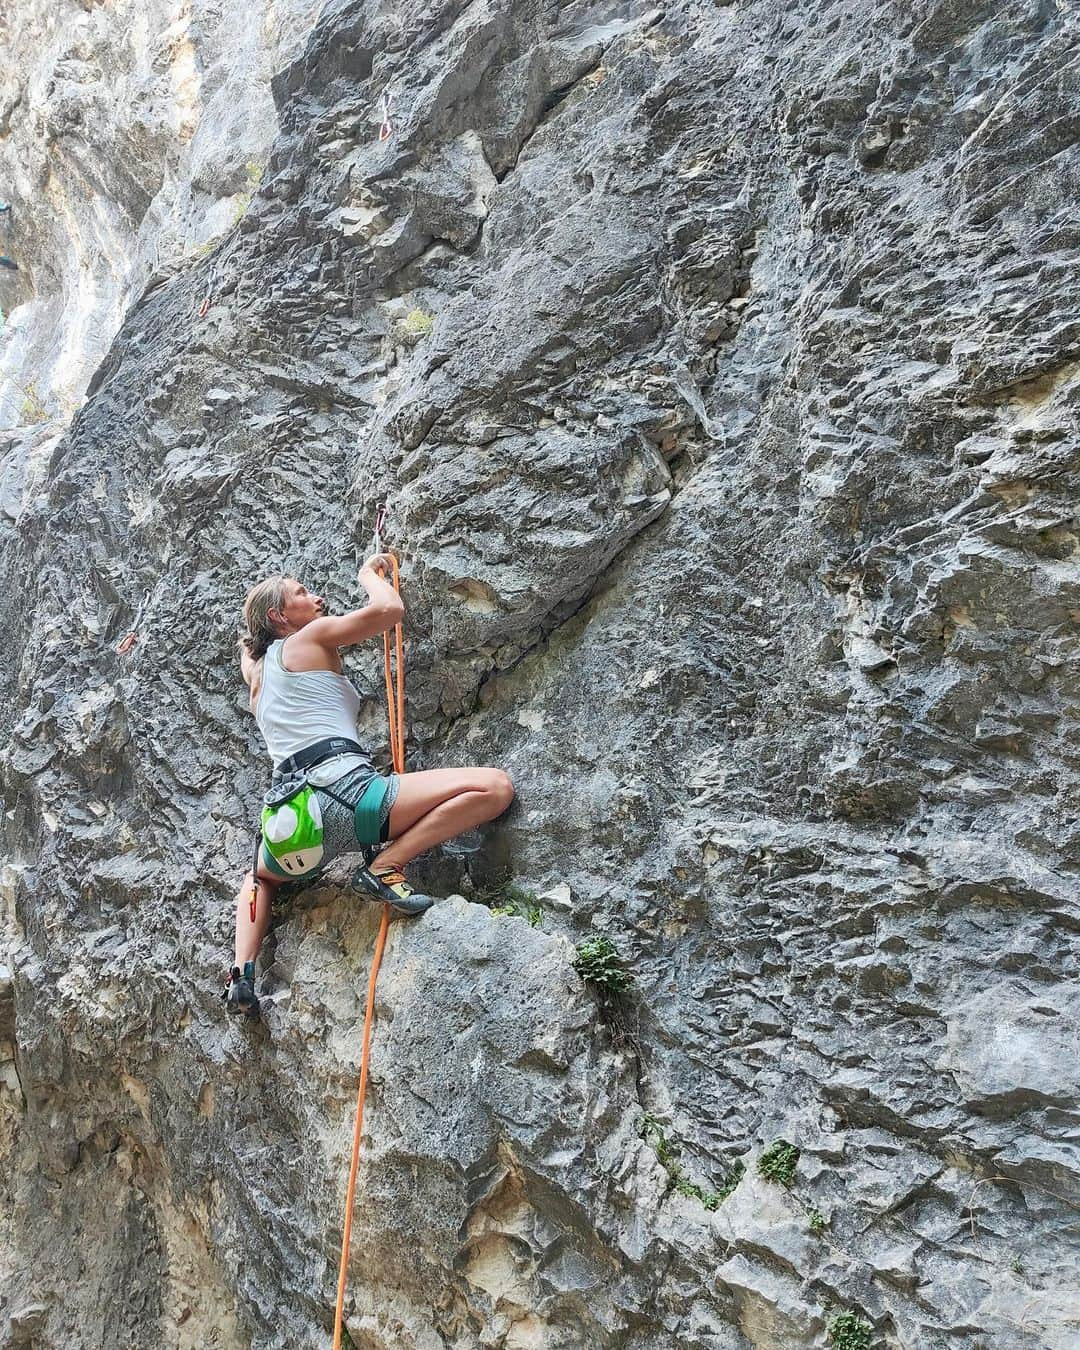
{"points": [[719, 368]]}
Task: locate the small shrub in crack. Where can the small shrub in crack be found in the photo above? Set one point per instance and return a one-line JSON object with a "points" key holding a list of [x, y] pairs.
{"points": [[848, 1331], [253, 172], [734, 1175], [32, 410], [598, 963], [513, 902], [668, 1152], [777, 1163], [507, 898], [818, 1222]]}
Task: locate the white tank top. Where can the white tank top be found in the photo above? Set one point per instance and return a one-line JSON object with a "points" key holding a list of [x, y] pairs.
{"points": [[296, 708]]}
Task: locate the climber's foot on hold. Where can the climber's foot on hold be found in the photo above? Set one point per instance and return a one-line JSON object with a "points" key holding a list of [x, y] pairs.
{"points": [[388, 884], [240, 995]]}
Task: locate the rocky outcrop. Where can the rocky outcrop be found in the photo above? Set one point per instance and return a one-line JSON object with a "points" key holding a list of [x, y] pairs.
{"points": [[719, 369]]}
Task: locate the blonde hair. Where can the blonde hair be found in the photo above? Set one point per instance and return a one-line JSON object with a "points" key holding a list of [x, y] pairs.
{"points": [[260, 600]]}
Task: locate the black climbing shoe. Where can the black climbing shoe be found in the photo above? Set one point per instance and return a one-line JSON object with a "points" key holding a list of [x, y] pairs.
{"points": [[391, 887], [240, 995]]}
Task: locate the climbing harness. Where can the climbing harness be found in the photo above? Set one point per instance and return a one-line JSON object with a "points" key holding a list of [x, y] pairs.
{"points": [[395, 709], [291, 825], [316, 753], [386, 126]]}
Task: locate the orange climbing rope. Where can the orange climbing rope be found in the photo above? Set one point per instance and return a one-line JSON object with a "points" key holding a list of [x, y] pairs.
{"points": [[395, 706], [395, 710]]}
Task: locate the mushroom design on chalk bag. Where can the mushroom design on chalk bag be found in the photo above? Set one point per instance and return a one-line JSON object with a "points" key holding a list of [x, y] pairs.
{"points": [[294, 832]]}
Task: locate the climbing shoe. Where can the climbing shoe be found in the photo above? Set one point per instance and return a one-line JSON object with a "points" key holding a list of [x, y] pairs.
{"points": [[240, 995], [390, 886]]}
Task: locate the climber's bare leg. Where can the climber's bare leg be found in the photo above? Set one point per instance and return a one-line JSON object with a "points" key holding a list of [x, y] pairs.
{"points": [[437, 804], [249, 935]]}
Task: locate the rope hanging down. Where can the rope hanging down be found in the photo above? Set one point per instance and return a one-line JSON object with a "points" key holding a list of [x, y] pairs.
{"points": [[395, 711]]}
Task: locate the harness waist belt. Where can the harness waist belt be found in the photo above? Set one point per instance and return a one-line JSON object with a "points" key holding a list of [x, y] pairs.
{"points": [[315, 754]]}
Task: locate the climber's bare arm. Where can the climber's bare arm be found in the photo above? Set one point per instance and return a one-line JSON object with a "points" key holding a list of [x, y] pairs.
{"points": [[251, 669], [316, 644]]}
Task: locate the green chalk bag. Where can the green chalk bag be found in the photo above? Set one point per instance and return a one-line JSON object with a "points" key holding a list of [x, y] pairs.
{"points": [[292, 826]]}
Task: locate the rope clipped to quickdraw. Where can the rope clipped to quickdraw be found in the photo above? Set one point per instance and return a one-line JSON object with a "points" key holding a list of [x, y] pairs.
{"points": [[395, 711]]}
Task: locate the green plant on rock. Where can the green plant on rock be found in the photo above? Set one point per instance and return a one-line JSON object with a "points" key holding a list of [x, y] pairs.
{"points": [[31, 409], [513, 902], [818, 1222], [668, 1152], [253, 172], [417, 324], [691, 1189], [735, 1174], [598, 963], [240, 207], [777, 1163], [848, 1331]]}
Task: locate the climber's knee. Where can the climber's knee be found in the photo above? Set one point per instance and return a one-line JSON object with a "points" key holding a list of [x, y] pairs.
{"points": [[501, 789]]}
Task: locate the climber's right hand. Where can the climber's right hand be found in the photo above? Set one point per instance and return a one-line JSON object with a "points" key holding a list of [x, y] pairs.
{"points": [[381, 564]]}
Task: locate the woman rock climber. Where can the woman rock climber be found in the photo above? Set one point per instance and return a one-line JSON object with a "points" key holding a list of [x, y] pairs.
{"points": [[290, 659]]}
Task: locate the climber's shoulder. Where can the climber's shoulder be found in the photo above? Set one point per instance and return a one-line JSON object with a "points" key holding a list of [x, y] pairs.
{"points": [[313, 648]]}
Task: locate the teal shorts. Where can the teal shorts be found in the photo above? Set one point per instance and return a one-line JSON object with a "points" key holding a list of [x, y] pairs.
{"points": [[361, 819]]}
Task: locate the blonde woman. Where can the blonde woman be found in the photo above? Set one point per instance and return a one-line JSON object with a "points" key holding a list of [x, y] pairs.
{"points": [[306, 710]]}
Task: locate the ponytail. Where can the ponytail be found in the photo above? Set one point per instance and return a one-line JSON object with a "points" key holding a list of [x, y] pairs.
{"points": [[260, 600]]}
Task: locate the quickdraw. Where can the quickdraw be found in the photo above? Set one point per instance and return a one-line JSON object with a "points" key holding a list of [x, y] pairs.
{"points": [[255, 876], [132, 636], [386, 127]]}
